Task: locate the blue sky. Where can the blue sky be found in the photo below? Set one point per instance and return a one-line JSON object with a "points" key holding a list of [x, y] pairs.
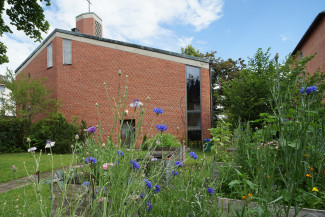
{"points": [[233, 28]]}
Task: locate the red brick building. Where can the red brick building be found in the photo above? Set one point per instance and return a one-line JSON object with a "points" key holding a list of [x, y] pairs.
{"points": [[78, 62], [313, 41]]}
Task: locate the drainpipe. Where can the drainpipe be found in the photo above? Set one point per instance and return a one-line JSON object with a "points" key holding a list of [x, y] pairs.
{"points": [[211, 102]]}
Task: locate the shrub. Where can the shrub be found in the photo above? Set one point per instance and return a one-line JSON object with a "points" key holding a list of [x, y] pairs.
{"points": [[164, 140], [12, 133], [55, 128]]}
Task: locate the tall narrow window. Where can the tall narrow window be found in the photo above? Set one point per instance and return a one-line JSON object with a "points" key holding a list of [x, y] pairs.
{"points": [[193, 91], [67, 51], [301, 56], [49, 55]]}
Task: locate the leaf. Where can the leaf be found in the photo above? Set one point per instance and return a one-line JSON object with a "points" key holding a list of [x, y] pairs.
{"points": [[250, 184], [234, 182]]}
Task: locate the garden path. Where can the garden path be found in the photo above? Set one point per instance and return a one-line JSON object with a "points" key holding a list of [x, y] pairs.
{"points": [[18, 183]]}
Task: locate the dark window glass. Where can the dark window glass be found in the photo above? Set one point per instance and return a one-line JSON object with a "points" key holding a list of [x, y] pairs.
{"points": [[128, 131], [193, 72], [194, 138], [193, 94], [193, 120]]}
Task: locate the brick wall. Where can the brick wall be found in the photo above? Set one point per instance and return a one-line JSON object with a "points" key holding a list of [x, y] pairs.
{"points": [[80, 85], [86, 26]]}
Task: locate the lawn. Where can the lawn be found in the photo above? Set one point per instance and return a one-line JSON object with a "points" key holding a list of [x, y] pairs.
{"points": [[17, 202], [25, 162]]}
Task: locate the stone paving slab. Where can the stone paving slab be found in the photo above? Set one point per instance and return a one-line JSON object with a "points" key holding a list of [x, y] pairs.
{"points": [[18, 183]]}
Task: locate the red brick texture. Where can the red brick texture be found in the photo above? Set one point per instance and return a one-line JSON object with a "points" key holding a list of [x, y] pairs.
{"points": [[315, 43], [80, 86], [86, 26]]}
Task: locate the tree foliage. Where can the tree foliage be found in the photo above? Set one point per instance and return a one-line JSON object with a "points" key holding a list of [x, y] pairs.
{"points": [[222, 72], [264, 82], [28, 97], [27, 16]]}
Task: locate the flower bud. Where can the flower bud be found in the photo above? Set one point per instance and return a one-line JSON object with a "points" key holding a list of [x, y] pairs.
{"points": [[76, 137], [96, 104], [28, 140], [126, 76], [103, 145], [119, 72], [72, 146]]}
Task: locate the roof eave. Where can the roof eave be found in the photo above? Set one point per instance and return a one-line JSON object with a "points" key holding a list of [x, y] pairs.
{"points": [[308, 32]]}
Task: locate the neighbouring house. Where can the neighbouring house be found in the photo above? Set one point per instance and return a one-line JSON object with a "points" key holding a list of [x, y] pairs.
{"points": [[4, 97], [78, 62], [313, 41]]}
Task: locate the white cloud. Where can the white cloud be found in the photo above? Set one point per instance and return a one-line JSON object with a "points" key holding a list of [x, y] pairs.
{"points": [[284, 38], [151, 23]]}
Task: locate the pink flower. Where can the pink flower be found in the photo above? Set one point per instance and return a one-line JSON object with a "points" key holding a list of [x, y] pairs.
{"points": [[277, 147], [101, 200], [106, 165]]}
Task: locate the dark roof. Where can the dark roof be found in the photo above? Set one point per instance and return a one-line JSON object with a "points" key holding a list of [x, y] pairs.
{"points": [[112, 42], [309, 31]]}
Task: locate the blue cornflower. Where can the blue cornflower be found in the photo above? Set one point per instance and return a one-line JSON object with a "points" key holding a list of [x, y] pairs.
{"points": [[86, 183], [148, 206], [161, 127], [121, 153], [178, 163], [193, 155], [207, 140], [157, 188], [309, 90], [302, 90], [142, 195], [135, 164], [148, 184], [314, 88], [92, 129], [210, 190], [175, 173], [158, 111], [90, 160]]}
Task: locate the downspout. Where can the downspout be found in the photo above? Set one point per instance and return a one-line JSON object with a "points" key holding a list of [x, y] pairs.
{"points": [[211, 102]]}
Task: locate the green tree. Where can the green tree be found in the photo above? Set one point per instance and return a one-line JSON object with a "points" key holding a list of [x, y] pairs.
{"points": [[27, 16], [28, 97], [190, 50], [222, 72], [249, 94], [255, 92]]}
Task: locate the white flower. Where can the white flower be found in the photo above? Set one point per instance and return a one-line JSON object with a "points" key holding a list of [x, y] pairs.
{"points": [[126, 112], [136, 103], [49, 144], [33, 149], [154, 159]]}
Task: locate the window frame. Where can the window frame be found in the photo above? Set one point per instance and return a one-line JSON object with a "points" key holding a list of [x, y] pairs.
{"points": [[65, 52], [49, 55]]}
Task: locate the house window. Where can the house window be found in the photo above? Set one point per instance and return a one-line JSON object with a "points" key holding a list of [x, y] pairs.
{"points": [[193, 92], [128, 132], [301, 56], [49, 55], [67, 52]]}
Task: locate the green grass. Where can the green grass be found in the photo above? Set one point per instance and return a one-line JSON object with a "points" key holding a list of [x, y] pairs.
{"points": [[24, 202], [18, 159]]}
